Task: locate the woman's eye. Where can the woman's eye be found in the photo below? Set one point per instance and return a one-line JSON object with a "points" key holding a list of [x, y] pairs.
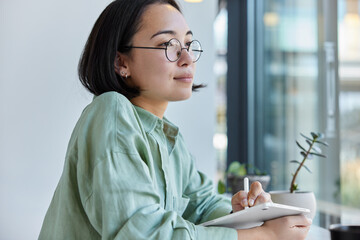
{"points": [[165, 44], [188, 44]]}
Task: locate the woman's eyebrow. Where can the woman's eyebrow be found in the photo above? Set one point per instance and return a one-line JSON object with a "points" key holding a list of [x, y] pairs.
{"points": [[189, 33], [169, 32]]}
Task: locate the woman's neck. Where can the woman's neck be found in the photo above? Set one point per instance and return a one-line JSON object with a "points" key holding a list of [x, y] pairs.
{"points": [[157, 108]]}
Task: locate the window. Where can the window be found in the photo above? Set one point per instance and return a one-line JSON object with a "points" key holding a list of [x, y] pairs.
{"points": [[301, 73]]}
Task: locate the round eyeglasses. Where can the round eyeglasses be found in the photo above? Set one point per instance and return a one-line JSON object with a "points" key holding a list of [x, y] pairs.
{"points": [[173, 49]]}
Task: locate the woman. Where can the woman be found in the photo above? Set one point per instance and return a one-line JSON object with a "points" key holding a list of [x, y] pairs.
{"points": [[128, 173]]}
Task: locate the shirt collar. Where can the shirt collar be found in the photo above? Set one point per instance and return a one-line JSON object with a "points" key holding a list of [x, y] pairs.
{"points": [[170, 129], [150, 121]]}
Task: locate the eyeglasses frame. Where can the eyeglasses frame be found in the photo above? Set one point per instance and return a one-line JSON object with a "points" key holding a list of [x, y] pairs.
{"points": [[165, 48]]}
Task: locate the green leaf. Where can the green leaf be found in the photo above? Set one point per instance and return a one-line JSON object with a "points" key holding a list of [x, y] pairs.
{"points": [[301, 147], [320, 136], [295, 161], [323, 143], [306, 137], [303, 154], [309, 142], [237, 169], [307, 168], [294, 187], [242, 170], [318, 154], [233, 167], [314, 135], [221, 187]]}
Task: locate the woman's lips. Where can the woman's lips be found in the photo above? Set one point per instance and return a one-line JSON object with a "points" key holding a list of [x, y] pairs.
{"points": [[186, 78]]}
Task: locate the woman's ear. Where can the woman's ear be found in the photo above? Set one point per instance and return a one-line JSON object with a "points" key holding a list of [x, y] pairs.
{"points": [[120, 65]]}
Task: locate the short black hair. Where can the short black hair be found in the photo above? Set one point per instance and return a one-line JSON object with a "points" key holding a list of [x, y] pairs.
{"points": [[114, 28]]}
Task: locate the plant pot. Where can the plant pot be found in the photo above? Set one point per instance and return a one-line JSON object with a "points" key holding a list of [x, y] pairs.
{"points": [[236, 183], [301, 199], [344, 232]]}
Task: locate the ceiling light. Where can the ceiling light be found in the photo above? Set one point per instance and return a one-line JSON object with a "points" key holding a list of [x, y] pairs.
{"points": [[193, 1]]}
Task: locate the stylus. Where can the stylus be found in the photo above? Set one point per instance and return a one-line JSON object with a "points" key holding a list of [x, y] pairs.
{"points": [[246, 187]]}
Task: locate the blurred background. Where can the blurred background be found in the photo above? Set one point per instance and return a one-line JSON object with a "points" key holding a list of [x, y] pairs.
{"points": [[286, 67], [273, 69], [41, 99]]}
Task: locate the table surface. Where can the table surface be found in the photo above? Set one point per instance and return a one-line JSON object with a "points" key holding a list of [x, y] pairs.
{"points": [[318, 233]]}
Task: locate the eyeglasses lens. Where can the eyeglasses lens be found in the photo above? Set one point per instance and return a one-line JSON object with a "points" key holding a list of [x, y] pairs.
{"points": [[173, 51], [195, 50]]}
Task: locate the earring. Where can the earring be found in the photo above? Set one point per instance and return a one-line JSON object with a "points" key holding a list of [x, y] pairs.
{"points": [[124, 73]]}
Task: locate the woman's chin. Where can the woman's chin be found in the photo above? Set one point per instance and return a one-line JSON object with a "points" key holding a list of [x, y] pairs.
{"points": [[181, 96]]}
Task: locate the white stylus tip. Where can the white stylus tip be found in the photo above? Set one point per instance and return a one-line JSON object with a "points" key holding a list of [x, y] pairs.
{"points": [[246, 184]]}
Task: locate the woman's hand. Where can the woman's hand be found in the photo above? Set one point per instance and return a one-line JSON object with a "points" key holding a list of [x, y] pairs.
{"points": [[285, 228], [291, 227], [255, 196]]}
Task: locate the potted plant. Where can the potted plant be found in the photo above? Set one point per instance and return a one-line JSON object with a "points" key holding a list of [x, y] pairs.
{"points": [[294, 196], [235, 178]]}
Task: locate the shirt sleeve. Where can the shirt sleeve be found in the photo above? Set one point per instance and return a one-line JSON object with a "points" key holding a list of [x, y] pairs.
{"points": [[124, 205], [204, 204]]}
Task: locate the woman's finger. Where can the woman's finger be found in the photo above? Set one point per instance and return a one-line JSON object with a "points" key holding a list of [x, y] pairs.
{"points": [[239, 201], [255, 191], [263, 198]]}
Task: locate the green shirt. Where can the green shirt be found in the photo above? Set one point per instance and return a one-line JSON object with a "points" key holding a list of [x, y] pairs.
{"points": [[129, 175]]}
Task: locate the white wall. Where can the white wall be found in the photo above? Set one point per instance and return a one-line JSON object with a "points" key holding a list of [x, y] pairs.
{"points": [[196, 117], [41, 100]]}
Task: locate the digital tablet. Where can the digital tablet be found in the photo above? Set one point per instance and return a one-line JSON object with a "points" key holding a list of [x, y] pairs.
{"points": [[256, 216]]}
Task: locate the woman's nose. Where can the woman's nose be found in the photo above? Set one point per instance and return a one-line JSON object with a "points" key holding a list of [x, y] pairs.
{"points": [[185, 57]]}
